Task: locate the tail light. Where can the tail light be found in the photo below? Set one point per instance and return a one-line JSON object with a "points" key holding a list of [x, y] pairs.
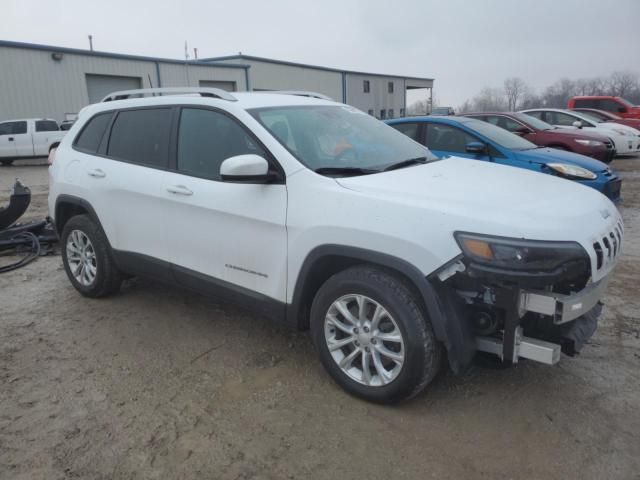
{"points": [[52, 155]]}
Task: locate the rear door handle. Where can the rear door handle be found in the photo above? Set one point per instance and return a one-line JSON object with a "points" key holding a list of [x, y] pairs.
{"points": [[97, 173], [179, 190]]}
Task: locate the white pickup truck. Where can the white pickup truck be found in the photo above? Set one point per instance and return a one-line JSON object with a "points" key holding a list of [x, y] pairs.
{"points": [[28, 138]]}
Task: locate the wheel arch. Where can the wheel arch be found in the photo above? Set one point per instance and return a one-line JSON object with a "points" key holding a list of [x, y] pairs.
{"points": [[439, 301], [68, 206]]}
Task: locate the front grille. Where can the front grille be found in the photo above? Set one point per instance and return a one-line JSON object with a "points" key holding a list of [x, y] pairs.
{"points": [[608, 247]]}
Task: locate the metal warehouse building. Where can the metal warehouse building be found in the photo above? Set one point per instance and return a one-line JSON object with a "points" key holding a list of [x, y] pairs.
{"points": [[56, 82]]}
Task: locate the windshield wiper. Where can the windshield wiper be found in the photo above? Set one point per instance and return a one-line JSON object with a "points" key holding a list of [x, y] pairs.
{"points": [[345, 171], [406, 163]]}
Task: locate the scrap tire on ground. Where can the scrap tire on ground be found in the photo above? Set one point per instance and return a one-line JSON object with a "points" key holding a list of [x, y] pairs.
{"points": [[422, 352], [106, 279]]}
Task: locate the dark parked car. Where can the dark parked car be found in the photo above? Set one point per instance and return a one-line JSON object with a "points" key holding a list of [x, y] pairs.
{"points": [[545, 135], [610, 117]]}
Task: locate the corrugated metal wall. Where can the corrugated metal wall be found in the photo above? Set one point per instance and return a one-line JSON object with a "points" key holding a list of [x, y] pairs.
{"points": [[33, 84], [273, 76]]}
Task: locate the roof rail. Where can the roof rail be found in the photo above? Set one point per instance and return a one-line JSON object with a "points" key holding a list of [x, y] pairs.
{"points": [[300, 93], [204, 92]]}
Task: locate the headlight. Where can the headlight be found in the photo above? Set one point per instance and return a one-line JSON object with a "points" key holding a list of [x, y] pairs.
{"points": [[589, 143], [572, 171], [517, 254]]}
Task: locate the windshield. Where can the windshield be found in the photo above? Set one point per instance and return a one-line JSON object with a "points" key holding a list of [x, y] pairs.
{"points": [[601, 115], [339, 137], [626, 102], [533, 121], [500, 136], [590, 117]]}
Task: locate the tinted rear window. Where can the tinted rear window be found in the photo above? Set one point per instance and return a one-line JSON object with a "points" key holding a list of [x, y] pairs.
{"points": [[46, 126], [91, 135], [142, 136]]}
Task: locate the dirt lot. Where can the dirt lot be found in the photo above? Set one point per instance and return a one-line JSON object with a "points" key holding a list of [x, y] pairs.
{"points": [[162, 383]]}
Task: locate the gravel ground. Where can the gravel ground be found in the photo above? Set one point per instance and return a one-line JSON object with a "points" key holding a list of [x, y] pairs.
{"points": [[161, 383]]}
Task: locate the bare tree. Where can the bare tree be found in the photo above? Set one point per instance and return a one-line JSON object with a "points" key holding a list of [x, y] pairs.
{"points": [[514, 91], [622, 83]]}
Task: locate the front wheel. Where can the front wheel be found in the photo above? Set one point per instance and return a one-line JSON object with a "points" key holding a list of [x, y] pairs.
{"points": [[373, 336]]}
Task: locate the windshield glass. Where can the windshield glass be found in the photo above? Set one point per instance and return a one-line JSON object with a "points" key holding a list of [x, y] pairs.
{"points": [[338, 137], [533, 121], [626, 102], [500, 136], [590, 117]]}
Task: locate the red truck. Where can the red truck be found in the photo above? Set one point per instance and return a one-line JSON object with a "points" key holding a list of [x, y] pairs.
{"points": [[608, 103]]}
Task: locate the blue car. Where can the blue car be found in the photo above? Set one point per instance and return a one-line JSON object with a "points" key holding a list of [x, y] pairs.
{"points": [[478, 140]]}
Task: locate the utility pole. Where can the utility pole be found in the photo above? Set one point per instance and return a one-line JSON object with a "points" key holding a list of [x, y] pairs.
{"points": [[186, 62], [195, 53], [91, 42]]}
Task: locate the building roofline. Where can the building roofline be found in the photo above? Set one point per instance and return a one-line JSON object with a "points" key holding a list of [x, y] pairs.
{"points": [[121, 56], [306, 65]]}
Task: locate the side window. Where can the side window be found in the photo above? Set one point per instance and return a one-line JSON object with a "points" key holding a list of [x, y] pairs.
{"points": [[46, 126], [6, 128], [585, 103], [539, 115], [207, 138], [17, 128], [383, 114], [409, 129], [558, 118], [391, 113], [141, 136], [91, 135], [366, 87], [609, 105], [447, 138], [390, 87]]}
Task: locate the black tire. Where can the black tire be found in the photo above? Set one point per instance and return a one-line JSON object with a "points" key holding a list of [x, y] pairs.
{"points": [[6, 163], [423, 353], [107, 278]]}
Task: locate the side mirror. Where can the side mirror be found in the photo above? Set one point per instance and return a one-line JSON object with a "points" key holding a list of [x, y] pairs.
{"points": [[248, 168], [577, 124], [522, 131], [476, 147]]}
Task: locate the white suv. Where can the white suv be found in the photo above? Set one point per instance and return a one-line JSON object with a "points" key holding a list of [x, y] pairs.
{"points": [[316, 214]]}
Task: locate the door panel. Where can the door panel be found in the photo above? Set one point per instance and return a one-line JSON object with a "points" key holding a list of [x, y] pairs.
{"points": [[233, 232], [22, 139], [7, 141]]}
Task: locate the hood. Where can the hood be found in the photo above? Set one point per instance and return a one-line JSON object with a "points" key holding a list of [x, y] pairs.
{"points": [[544, 156], [488, 198]]}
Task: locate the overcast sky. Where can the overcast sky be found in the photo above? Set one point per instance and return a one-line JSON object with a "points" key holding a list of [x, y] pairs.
{"points": [[463, 44]]}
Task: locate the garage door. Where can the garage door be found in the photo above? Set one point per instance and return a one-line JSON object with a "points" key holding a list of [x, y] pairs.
{"points": [[228, 86], [99, 86]]}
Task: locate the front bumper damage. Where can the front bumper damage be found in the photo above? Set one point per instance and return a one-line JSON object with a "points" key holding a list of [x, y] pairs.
{"points": [[514, 319]]}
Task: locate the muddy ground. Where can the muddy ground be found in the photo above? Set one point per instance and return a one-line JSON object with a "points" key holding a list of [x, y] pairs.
{"points": [[161, 383]]}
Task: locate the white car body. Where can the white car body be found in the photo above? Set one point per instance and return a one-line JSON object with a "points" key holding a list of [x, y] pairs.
{"points": [[260, 237], [625, 139], [31, 141]]}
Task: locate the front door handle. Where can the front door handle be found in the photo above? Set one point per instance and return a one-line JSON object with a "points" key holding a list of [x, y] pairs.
{"points": [[97, 173], [179, 190]]}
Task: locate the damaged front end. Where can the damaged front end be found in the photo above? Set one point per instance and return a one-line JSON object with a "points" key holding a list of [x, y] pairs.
{"points": [[517, 299]]}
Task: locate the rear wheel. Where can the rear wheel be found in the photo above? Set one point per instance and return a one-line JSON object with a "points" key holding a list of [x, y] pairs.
{"points": [[87, 258], [373, 335]]}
